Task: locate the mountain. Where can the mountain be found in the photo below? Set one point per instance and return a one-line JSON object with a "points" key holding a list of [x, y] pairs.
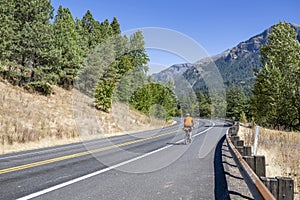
{"points": [[236, 65], [172, 72]]}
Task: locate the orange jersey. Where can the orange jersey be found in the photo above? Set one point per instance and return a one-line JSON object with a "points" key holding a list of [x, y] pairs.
{"points": [[188, 121]]}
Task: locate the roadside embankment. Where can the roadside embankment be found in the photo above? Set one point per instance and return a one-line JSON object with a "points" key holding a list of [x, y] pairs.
{"points": [[30, 121]]}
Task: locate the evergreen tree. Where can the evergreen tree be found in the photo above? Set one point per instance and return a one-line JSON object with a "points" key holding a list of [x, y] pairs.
{"points": [[88, 24], [204, 105], [33, 39], [276, 91], [97, 63], [7, 23], [236, 102], [133, 58], [66, 40], [82, 38], [151, 95], [115, 27]]}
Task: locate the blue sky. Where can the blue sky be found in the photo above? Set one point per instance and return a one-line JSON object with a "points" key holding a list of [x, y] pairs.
{"points": [[214, 25]]}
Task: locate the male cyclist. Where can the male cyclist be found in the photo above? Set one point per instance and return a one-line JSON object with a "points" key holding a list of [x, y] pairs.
{"points": [[188, 123]]}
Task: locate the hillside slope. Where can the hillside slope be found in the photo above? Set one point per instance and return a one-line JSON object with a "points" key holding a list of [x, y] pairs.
{"points": [[66, 116]]}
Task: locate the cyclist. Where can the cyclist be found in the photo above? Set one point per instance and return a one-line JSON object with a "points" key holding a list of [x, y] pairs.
{"points": [[188, 123]]}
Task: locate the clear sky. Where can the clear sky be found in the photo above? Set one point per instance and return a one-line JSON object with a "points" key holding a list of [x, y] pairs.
{"points": [[216, 25]]}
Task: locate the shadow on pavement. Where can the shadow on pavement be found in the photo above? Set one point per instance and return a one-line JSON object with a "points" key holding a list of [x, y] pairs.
{"points": [[221, 189], [221, 186], [240, 195]]}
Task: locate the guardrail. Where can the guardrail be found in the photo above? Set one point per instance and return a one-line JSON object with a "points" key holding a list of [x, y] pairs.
{"points": [[254, 168]]}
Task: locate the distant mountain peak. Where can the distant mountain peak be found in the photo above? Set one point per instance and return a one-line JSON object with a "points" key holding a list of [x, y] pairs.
{"points": [[235, 65], [172, 72]]}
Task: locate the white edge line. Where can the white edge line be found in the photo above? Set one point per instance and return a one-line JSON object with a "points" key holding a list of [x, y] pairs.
{"points": [[33, 195]]}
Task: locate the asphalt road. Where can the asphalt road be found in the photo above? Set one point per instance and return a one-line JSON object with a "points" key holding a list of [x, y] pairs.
{"points": [[146, 165]]}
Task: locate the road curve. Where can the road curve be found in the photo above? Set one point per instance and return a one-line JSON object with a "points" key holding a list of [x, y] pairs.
{"points": [[145, 165]]}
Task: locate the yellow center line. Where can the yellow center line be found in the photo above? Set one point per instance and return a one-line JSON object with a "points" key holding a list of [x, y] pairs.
{"points": [[44, 162]]}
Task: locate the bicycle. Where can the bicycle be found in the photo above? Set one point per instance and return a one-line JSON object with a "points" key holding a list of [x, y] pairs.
{"points": [[188, 135]]}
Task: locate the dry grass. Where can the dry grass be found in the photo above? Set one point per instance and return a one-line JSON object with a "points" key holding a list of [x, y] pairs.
{"points": [[281, 150], [29, 121]]}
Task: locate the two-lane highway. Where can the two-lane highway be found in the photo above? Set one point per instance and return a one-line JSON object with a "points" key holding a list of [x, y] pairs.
{"points": [[146, 165]]}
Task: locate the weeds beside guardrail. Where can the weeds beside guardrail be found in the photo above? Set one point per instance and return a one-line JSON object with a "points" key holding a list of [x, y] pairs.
{"points": [[254, 167]]}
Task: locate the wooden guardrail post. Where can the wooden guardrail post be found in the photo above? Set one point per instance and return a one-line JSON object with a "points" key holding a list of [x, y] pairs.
{"points": [[285, 188], [257, 164], [247, 151], [260, 165], [271, 184], [240, 143], [234, 140], [282, 188], [250, 161], [240, 149]]}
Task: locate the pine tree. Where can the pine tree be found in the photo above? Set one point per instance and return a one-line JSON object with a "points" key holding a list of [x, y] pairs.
{"points": [[115, 27], [7, 23], [276, 91], [66, 40], [236, 102], [152, 97], [91, 29], [129, 56], [33, 39], [204, 105]]}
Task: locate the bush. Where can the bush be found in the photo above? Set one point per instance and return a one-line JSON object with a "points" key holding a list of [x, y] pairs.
{"points": [[243, 118], [41, 86]]}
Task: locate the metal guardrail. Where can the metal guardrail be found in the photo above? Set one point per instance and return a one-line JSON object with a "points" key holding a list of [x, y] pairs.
{"points": [[254, 168], [259, 185]]}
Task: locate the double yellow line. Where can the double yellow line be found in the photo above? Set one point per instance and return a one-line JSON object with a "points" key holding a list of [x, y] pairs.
{"points": [[44, 162]]}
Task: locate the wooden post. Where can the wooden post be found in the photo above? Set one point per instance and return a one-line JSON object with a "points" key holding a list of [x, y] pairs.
{"points": [[250, 161], [232, 131], [240, 149], [285, 188], [233, 138], [240, 143], [247, 151], [272, 185], [260, 165]]}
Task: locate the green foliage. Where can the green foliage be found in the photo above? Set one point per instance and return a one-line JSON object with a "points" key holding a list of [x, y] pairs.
{"points": [[129, 56], [26, 46], [218, 104], [39, 86], [188, 103], [276, 100], [152, 97], [243, 118], [129, 83], [205, 107], [66, 38], [236, 103], [103, 94], [35, 52], [6, 29]]}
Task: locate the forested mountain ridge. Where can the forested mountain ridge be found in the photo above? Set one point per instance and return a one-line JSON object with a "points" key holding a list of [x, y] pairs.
{"points": [[172, 72], [236, 65]]}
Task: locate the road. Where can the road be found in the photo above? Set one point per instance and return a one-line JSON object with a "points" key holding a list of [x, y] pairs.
{"points": [[146, 165]]}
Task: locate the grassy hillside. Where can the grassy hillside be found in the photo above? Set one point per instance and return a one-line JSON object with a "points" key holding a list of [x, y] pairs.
{"points": [[31, 121]]}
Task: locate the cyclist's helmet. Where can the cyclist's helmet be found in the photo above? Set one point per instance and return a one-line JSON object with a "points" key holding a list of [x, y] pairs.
{"points": [[187, 114]]}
